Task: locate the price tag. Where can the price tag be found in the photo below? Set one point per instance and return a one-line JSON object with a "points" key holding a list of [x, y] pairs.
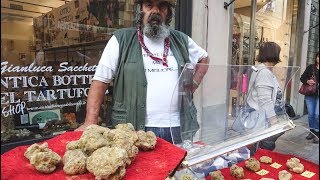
{"points": [[308, 174], [276, 165], [262, 172]]}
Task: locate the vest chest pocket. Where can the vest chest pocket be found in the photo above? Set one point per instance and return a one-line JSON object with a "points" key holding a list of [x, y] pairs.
{"points": [[119, 113]]}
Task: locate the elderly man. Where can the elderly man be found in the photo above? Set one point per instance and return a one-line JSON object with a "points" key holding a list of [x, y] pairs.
{"points": [[144, 64]]}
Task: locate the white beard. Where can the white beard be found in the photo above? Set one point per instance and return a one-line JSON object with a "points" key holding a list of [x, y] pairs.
{"points": [[156, 31]]}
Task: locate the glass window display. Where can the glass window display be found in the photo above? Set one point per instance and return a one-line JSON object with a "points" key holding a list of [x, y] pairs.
{"points": [[219, 130], [217, 142]]}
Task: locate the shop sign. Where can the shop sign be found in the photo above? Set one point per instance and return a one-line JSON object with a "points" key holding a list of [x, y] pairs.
{"points": [[18, 92]]}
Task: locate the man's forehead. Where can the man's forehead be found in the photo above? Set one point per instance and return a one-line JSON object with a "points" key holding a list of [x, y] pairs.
{"points": [[158, 1]]}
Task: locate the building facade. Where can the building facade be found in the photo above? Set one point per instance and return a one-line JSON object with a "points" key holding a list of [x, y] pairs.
{"points": [[50, 49], [232, 36]]}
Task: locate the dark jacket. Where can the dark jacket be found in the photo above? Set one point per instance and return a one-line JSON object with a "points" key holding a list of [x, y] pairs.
{"points": [[307, 74]]}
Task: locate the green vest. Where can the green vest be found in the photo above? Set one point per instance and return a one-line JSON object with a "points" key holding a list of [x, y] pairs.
{"points": [[130, 83]]}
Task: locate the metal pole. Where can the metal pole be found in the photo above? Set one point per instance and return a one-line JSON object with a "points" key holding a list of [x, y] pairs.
{"points": [[252, 45]]}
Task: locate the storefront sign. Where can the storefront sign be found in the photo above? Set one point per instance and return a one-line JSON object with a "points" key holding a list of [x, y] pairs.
{"points": [[21, 91]]}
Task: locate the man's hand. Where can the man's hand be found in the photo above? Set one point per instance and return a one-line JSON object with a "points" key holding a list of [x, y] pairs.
{"points": [[200, 71], [94, 101]]}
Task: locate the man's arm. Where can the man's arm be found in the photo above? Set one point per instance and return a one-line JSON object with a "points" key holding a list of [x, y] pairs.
{"points": [[201, 70], [94, 100]]}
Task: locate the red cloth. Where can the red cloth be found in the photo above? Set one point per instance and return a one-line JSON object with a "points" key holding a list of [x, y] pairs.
{"points": [[273, 172], [151, 165]]}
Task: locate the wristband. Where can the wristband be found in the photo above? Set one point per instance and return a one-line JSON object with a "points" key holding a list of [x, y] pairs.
{"points": [[195, 82]]}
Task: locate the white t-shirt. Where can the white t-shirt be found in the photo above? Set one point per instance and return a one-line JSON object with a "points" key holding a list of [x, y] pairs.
{"points": [[162, 94]]}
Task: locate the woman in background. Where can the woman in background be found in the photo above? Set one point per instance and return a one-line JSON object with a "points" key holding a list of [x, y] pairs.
{"points": [[265, 91], [312, 101]]}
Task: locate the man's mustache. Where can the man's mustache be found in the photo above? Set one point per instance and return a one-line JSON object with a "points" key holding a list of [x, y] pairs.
{"points": [[154, 17]]}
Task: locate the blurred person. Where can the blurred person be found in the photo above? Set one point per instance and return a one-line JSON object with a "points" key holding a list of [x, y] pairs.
{"points": [[265, 90], [312, 101], [144, 64]]}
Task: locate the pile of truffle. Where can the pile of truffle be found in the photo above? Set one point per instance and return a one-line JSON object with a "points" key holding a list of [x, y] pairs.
{"points": [[253, 164], [101, 151]]}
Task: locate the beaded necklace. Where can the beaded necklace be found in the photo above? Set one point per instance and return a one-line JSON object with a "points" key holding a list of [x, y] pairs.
{"points": [[165, 51]]}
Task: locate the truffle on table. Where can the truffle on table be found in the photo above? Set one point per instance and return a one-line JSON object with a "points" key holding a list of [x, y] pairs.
{"points": [[216, 175], [252, 164], [294, 165], [266, 159], [35, 148], [284, 175], [127, 145], [42, 158], [237, 171], [146, 140], [116, 134], [91, 142], [125, 127], [74, 162], [91, 139], [72, 145], [107, 162]]}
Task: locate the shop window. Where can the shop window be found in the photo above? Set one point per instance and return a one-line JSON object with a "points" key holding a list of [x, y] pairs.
{"points": [[49, 52], [273, 23]]}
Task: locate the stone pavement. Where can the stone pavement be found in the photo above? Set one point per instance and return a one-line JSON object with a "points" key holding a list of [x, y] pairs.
{"points": [[294, 142]]}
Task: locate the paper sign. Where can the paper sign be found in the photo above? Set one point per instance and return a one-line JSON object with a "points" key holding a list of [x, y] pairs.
{"points": [[186, 177], [24, 119], [276, 165], [308, 174], [262, 172]]}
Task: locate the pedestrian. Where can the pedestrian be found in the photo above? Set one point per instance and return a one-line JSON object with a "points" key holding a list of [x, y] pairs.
{"points": [[312, 101], [144, 63], [265, 90]]}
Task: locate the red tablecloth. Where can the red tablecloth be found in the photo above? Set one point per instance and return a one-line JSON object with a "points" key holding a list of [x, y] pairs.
{"points": [[273, 172], [151, 165]]}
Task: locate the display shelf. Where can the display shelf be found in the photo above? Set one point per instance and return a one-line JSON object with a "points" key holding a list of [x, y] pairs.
{"points": [[166, 156], [204, 152]]}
